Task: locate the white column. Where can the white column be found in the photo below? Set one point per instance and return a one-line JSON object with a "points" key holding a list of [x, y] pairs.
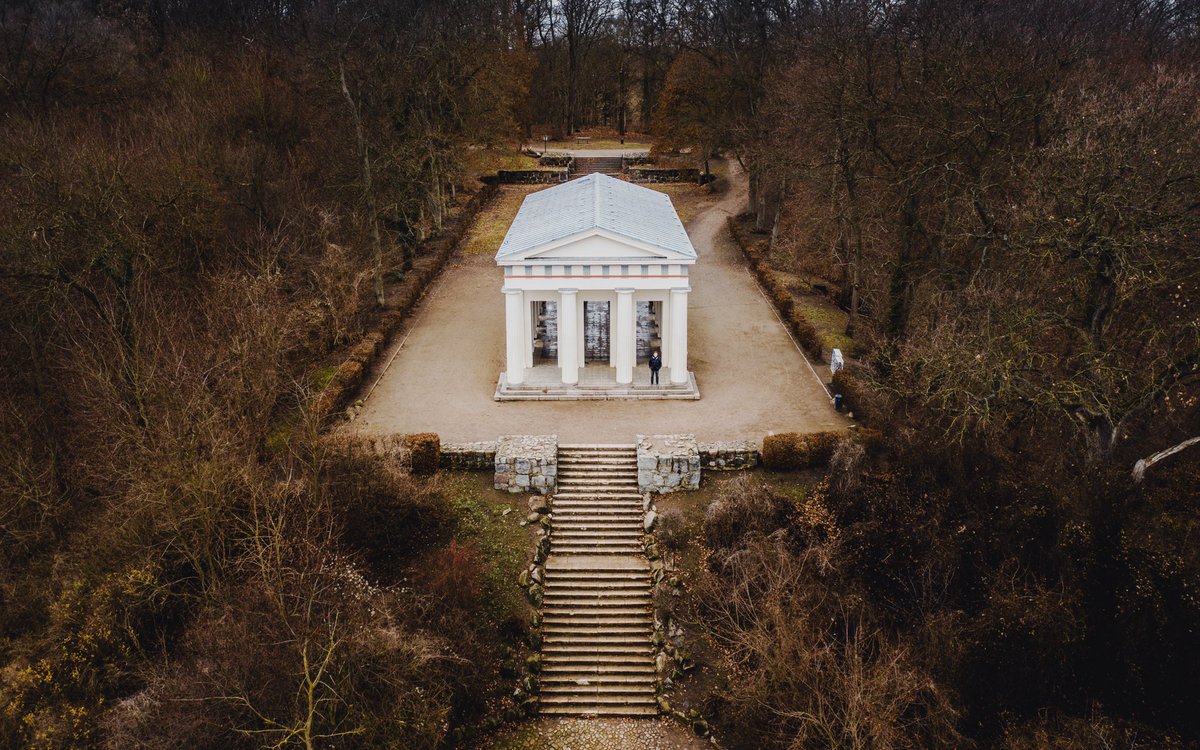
{"points": [[612, 332], [679, 329], [568, 335], [516, 335], [580, 324], [664, 330], [626, 342]]}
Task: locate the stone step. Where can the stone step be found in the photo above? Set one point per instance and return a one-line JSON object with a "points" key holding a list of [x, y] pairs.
{"points": [[597, 668], [594, 587], [561, 611], [624, 534], [606, 539], [578, 494], [632, 687], [640, 632], [616, 712], [566, 650], [600, 479], [599, 696], [614, 458], [583, 450], [575, 618], [597, 447], [576, 603], [578, 549], [581, 658], [567, 576], [598, 512], [619, 505], [597, 587], [578, 524], [613, 648]]}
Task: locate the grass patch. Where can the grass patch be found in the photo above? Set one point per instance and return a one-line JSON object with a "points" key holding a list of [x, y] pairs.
{"points": [[321, 376], [829, 320], [688, 199], [490, 225], [505, 545], [485, 161]]}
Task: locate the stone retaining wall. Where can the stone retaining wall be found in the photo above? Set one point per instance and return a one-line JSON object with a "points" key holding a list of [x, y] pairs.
{"points": [[527, 463], [729, 455], [668, 463], [469, 456], [531, 176], [645, 174]]}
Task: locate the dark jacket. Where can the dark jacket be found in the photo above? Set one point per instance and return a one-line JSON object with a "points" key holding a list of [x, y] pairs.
{"points": [[655, 362]]}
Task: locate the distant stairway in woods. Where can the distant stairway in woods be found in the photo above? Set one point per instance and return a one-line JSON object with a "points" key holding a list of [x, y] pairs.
{"points": [[592, 164], [597, 616]]}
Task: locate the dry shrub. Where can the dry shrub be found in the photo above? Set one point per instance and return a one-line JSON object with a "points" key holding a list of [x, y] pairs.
{"points": [[1093, 732], [791, 451], [425, 452], [846, 465], [453, 574], [376, 506], [744, 506], [672, 529], [813, 668]]}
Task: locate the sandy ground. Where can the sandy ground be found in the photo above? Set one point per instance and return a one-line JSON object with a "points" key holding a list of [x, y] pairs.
{"points": [[752, 378], [594, 734]]}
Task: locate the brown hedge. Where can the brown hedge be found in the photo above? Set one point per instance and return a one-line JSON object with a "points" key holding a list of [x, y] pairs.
{"points": [[425, 449], [856, 396], [790, 451]]}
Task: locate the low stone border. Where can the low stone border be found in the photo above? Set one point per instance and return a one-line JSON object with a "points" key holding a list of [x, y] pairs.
{"points": [[668, 463], [526, 463], [729, 455], [469, 456]]}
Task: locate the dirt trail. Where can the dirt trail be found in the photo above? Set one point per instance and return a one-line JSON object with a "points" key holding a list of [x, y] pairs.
{"points": [[752, 378]]}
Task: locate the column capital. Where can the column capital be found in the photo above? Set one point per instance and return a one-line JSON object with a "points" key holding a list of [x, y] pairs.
{"points": [[511, 290], [680, 289], [624, 290], [568, 291]]}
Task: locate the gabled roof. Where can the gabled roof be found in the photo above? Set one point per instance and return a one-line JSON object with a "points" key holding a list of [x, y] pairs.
{"points": [[596, 202]]}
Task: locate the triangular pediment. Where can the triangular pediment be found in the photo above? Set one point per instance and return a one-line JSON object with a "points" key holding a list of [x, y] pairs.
{"points": [[599, 245]]}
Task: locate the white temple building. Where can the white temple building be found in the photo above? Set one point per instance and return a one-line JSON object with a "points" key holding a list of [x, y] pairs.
{"points": [[595, 279]]}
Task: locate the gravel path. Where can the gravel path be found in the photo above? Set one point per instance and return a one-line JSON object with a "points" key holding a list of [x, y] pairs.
{"points": [[594, 734], [752, 378]]}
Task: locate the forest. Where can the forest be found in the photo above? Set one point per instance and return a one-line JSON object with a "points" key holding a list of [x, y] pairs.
{"points": [[202, 202]]}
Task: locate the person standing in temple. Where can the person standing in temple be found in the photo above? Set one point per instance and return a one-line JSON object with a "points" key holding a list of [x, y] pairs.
{"points": [[655, 366]]}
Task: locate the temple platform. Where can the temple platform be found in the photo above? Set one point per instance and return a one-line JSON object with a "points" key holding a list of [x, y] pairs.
{"points": [[597, 382]]}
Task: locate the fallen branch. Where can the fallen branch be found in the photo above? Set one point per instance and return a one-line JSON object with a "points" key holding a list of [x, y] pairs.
{"points": [[1139, 469]]}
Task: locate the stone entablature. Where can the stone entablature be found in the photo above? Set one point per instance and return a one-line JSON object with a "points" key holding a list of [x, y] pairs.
{"points": [[527, 463], [730, 455], [668, 463]]}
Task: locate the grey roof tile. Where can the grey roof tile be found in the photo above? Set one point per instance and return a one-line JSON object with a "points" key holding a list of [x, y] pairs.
{"points": [[596, 201]]}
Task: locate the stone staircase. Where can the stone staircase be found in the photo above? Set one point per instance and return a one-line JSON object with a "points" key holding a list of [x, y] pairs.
{"points": [[597, 617], [591, 164]]}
